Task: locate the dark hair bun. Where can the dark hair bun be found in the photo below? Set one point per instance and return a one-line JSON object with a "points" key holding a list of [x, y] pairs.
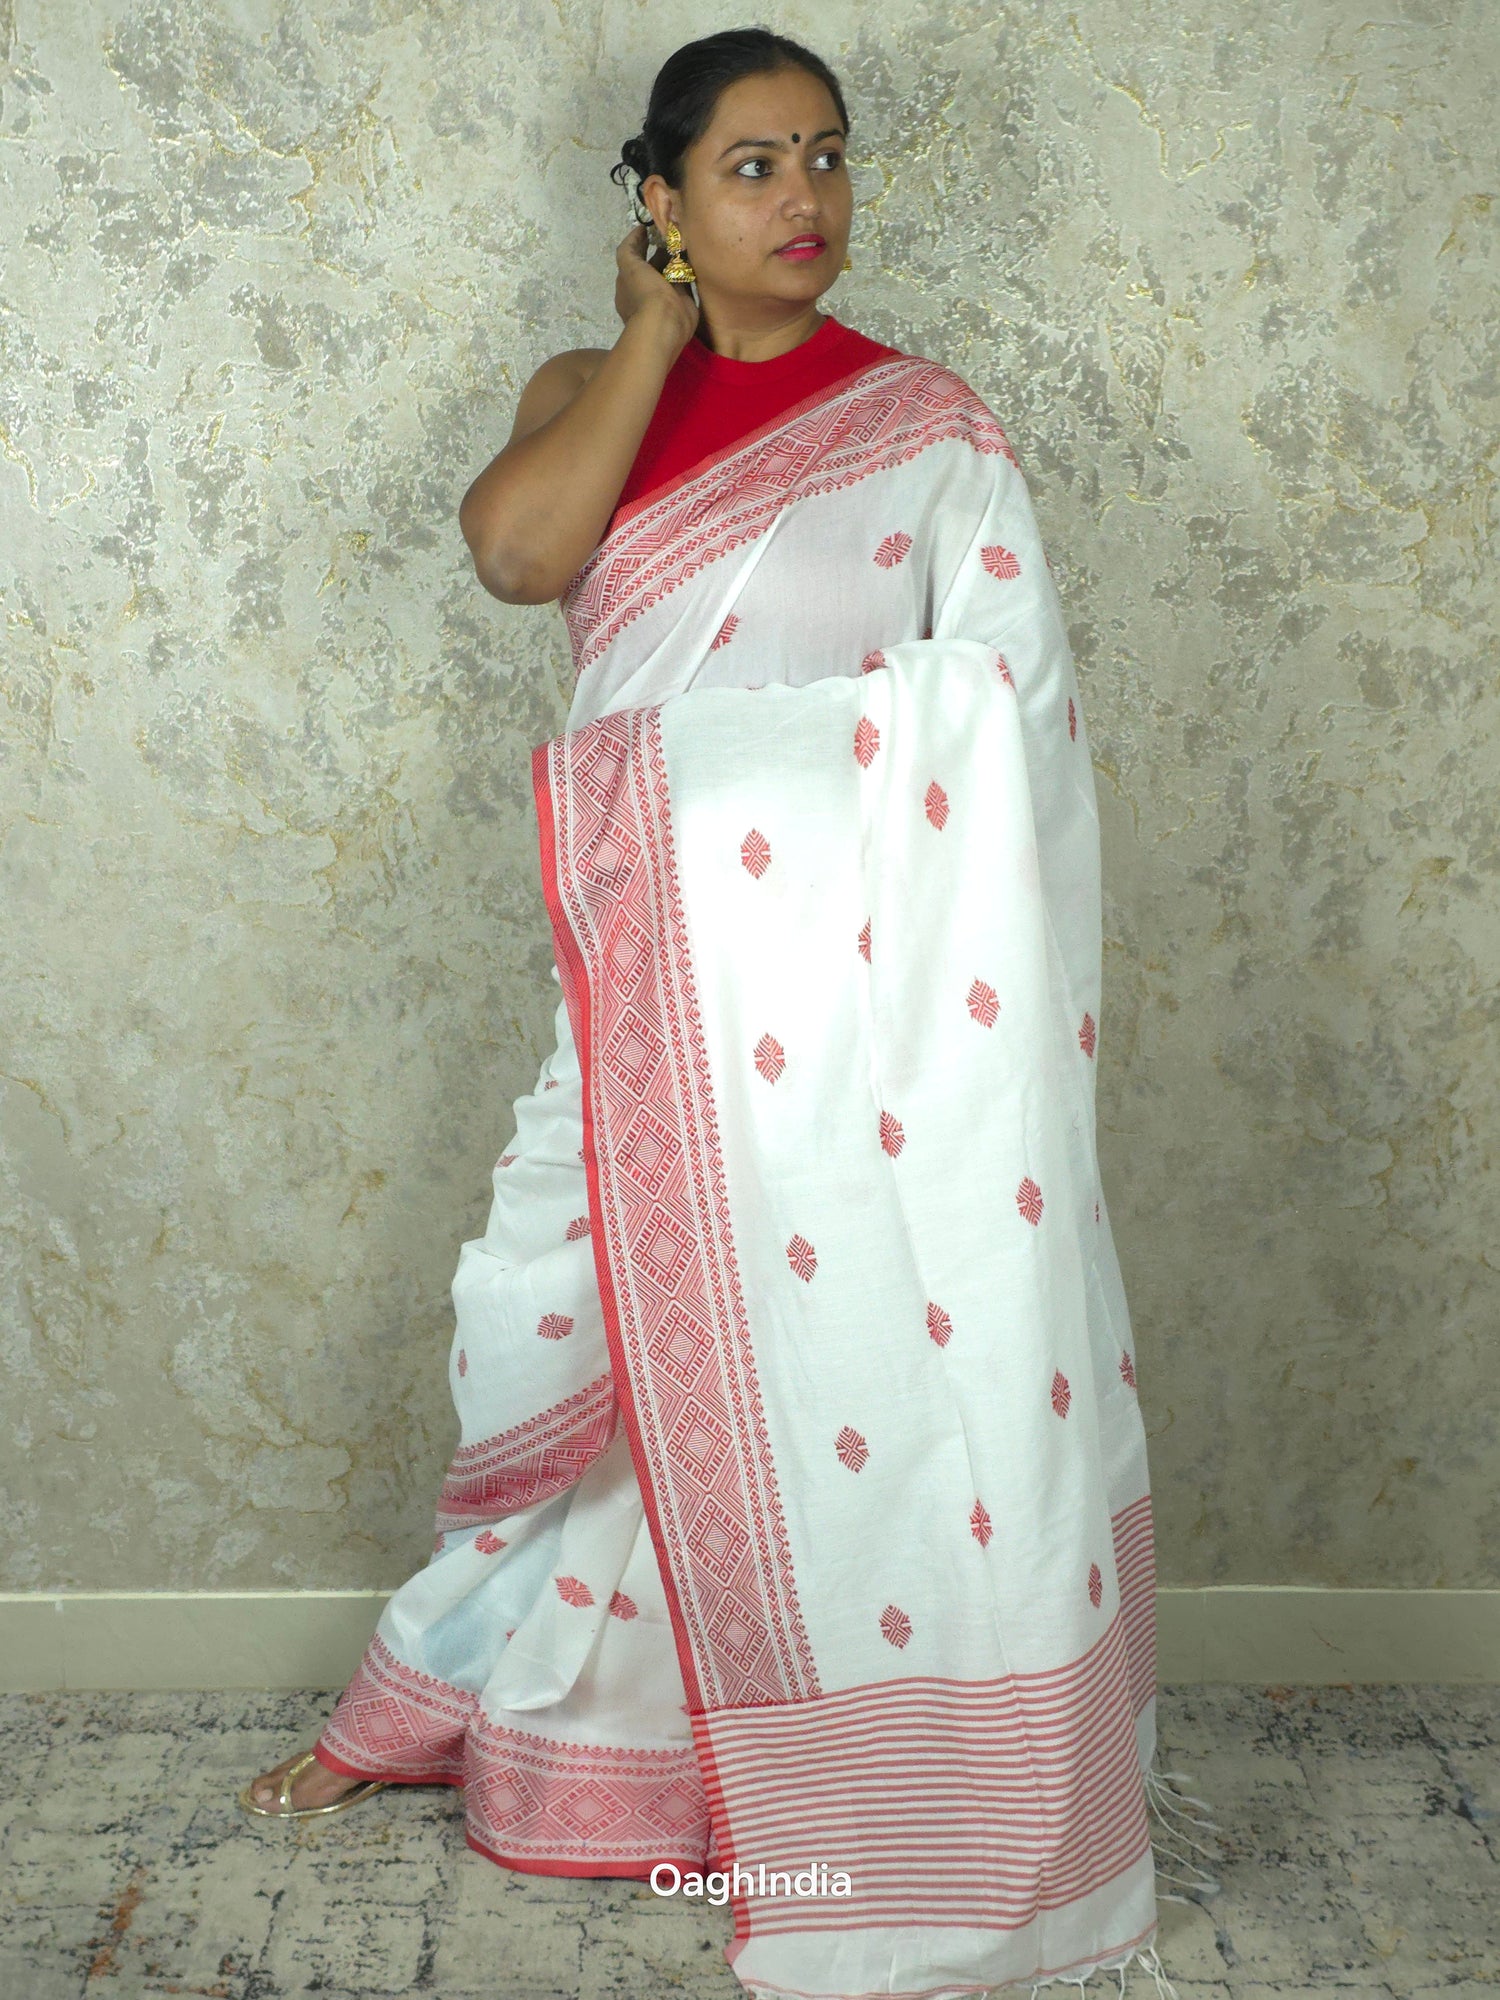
{"points": [[635, 158]]}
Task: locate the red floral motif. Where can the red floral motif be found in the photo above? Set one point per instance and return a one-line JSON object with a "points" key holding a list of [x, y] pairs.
{"points": [[1086, 1035], [1127, 1367], [984, 1003], [489, 1543], [511, 1633], [938, 1324], [505, 1159], [892, 1137], [463, 1362], [1000, 563], [1096, 1585], [895, 1624], [550, 1084], [892, 549], [755, 852], [1029, 1200], [936, 805], [724, 634], [851, 1448], [578, 1228], [871, 661], [1062, 1395], [864, 942], [621, 1606], [979, 1523], [1004, 668], [770, 1057], [866, 740], [1072, 719], [573, 1591], [554, 1326], [802, 1258]]}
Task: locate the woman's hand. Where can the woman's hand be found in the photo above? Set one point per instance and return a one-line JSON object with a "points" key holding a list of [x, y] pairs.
{"points": [[640, 284]]}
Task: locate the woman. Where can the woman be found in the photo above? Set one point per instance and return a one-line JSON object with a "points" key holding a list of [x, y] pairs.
{"points": [[801, 1517]]}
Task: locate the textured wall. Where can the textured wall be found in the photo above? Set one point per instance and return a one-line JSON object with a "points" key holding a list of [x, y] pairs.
{"points": [[275, 953]]}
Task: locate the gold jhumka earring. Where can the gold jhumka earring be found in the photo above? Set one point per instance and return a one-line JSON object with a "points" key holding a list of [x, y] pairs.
{"points": [[677, 268]]}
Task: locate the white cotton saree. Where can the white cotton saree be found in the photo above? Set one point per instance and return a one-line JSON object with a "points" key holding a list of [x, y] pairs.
{"points": [[800, 1527]]}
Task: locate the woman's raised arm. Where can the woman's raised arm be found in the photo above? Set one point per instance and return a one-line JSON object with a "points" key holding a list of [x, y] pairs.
{"points": [[538, 510]]}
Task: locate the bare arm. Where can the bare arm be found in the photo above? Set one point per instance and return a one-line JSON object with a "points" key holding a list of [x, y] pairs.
{"points": [[538, 510]]}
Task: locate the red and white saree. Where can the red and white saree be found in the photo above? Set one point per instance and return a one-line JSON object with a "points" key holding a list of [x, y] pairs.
{"points": [[801, 1522]]}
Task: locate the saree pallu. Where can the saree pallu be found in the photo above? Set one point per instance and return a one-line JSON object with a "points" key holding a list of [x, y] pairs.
{"points": [[801, 1523]]}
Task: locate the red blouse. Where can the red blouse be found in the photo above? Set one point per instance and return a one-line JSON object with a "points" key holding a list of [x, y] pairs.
{"points": [[708, 402]]}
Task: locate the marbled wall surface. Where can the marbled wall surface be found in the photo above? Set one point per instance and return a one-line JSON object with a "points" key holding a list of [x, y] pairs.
{"points": [[275, 956]]}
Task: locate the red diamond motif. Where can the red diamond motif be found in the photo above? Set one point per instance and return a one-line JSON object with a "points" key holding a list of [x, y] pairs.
{"points": [[1127, 1367], [1086, 1035], [864, 942], [895, 1624], [770, 1057], [892, 1138], [578, 1228], [724, 634], [979, 1523], [621, 1606], [984, 1003], [1096, 1585], [851, 1448], [489, 1543], [936, 804], [572, 1591], [1004, 668], [866, 740], [1072, 719], [1062, 1395], [892, 549], [554, 1326], [1029, 1200], [999, 562], [463, 1362], [755, 852], [505, 1159], [938, 1324], [800, 1255], [871, 661]]}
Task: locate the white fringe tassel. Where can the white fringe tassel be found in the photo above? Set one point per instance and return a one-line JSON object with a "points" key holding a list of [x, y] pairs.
{"points": [[1168, 1837]]}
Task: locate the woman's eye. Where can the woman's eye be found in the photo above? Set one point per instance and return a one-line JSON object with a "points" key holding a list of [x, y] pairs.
{"points": [[832, 154]]}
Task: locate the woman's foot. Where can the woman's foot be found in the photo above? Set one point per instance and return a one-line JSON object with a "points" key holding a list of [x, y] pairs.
{"points": [[316, 1786]]}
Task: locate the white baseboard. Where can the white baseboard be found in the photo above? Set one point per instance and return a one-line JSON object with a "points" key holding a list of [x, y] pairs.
{"points": [[120, 1639]]}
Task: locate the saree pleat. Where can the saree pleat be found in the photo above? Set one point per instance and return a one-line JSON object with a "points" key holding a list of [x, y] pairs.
{"points": [[801, 1516]]}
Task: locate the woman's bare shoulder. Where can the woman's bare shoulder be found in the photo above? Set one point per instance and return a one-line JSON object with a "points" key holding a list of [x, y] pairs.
{"points": [[553, 386]]}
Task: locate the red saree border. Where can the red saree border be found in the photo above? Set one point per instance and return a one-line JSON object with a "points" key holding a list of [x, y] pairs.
{"points": [[662, 1209], [652, 494], [886, 414], [534, 1460]]}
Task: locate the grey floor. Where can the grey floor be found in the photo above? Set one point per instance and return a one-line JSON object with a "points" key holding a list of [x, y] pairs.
{"points": [[1359, 1857]]}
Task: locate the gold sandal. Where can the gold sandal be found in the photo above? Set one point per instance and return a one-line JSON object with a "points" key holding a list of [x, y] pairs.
{"points": [[284, 1809]]}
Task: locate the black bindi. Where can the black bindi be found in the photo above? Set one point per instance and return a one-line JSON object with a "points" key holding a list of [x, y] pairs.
{"points": [[795, 137]]}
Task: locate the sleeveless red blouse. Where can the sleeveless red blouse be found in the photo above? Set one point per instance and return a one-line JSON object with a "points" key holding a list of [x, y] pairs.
{"points": [[709, 401]]}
